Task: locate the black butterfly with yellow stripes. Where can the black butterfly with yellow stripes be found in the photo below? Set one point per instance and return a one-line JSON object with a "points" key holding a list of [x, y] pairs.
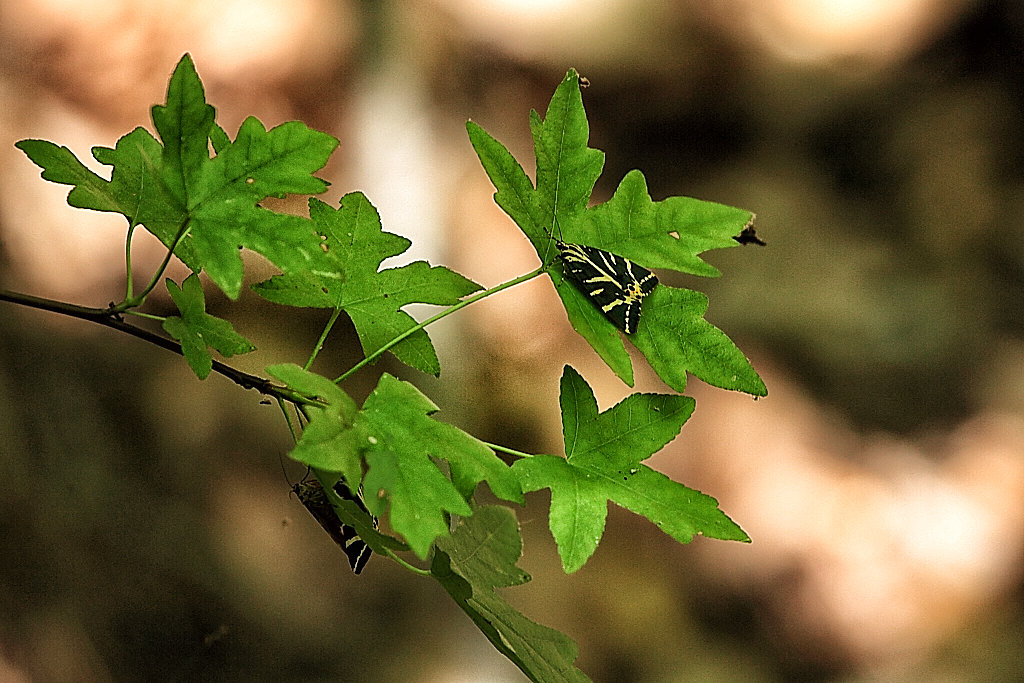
{"points": [[311, 495], [616, 285]]}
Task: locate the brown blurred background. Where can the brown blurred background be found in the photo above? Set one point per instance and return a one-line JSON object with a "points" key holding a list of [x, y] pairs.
{"points": [[147, 528]]}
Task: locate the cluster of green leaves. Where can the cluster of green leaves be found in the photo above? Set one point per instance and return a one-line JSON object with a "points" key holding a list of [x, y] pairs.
{"points": [[199, 193]]}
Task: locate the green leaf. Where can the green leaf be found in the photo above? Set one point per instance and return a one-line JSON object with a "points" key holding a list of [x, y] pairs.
{"points": [[197, 330], [481, 555], [184, 126], [632, 430], [330, 442], [403, 444], [579, 495], [333, 447], [174, 184], [485, 548], [566, 168], [675, 338], [134, 190], [90, 191], [560, 141], [666, 234], [515, 193], [671, 233], [345, 274], [603, 459]]}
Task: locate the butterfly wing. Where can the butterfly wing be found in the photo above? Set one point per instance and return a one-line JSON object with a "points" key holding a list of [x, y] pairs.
{"points": [[311, 495]]}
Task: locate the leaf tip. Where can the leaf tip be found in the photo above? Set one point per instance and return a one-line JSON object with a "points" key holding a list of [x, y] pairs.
{"points": [[185, 62]]}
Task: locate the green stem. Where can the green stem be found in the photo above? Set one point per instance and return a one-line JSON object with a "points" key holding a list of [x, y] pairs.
{"points": [[147, 316], [410, 567], [287, 419], [129, 286], [132, 302], [508, 451], [323, 337], [448, 311]]}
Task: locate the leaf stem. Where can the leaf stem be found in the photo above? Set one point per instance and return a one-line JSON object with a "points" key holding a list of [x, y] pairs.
{"points": [[508, 451], [448, 311], [148, 316], [323, 337], [132, 302], [287, 419], [410, 567], [129, 286]]}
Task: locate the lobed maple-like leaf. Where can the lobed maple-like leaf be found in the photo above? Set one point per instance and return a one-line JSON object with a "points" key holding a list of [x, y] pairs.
{"points": [[328, 442], [666, 234], [675, 338], [197, 330], [404, 444], [394, 435], [346, 275], [604, 454], [481, 555], [173, 187], [333, 446], [517, 197]]}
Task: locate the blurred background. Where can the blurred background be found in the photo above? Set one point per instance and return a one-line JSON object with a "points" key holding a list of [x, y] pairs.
{"points": [[147, 528]]}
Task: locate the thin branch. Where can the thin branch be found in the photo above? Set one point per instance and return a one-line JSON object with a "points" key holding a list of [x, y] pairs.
{"points": [[103, 316]]}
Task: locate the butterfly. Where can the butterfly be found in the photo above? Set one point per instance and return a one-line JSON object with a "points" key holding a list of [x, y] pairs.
{"points": [[614, 284], [311, 495]]}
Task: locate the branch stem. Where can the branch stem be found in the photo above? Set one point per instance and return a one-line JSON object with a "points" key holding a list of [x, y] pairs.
{"points": [[107, 318]]}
